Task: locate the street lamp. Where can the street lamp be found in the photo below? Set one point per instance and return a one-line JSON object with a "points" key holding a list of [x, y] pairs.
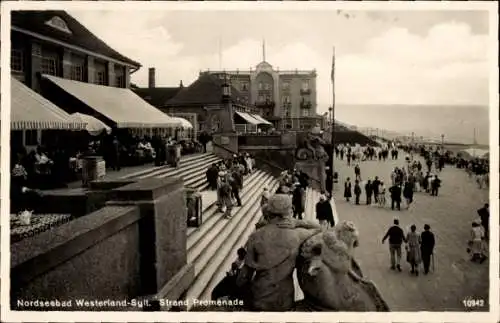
{"points": [[442, 140]]}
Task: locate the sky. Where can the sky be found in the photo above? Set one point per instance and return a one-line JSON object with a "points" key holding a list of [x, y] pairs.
{"points": [[382, 57]]}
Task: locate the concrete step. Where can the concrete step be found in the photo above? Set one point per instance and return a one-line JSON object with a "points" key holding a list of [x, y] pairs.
{"points": [[219, 244], [184, 160], [231, 245], [209, 214]]}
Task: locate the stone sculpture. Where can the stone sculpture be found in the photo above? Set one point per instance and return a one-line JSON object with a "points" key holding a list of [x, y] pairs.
{"points": [[330, 278], [312, 147]]}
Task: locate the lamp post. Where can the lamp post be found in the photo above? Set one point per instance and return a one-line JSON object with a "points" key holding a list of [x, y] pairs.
{"points": [[442, 141], [227, 113]]}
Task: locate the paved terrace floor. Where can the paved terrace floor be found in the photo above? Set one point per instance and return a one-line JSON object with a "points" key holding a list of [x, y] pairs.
{"points": [[450, 216]]}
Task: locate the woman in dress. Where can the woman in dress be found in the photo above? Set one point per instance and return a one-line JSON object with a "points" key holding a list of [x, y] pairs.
{"points": [[381, 195], [347, 189], [476, 242], [413, 248]]}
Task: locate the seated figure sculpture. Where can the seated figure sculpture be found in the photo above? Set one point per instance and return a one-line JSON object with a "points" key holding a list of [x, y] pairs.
{"points": [[330, 278]]}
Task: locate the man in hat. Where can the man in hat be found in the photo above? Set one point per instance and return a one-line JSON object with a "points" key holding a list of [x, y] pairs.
{"points": [[270, 262], [427, 247]]}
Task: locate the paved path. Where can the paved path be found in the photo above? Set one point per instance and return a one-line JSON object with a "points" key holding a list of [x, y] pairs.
{"points": [[450, 216]]}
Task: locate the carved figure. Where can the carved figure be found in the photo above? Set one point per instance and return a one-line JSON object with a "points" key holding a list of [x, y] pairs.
{"points": [[330, 278], [312, 147]]}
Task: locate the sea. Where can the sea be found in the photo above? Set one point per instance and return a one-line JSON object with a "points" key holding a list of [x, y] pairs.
{"points": [[458, 124]]}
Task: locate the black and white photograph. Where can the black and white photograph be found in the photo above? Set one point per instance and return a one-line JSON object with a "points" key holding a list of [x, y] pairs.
{"points": [[206, 159]]}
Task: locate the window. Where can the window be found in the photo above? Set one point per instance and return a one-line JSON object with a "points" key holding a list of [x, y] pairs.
{"points": [[261, 98], [305, 85], [49, 66], [16, 60], [286, 99], [268, 98], [100, 78], [261, 86], [286, 85], [120, 81], [244, 86], [77, 73], [31, 138], [304, 112], [58, 23], [267, 86]]}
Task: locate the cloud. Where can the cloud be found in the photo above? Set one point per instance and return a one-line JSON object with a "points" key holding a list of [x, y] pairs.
{"points": [[446, 64]]}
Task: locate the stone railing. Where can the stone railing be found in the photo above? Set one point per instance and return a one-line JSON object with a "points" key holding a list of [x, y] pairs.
{"points": [[132, 248]]}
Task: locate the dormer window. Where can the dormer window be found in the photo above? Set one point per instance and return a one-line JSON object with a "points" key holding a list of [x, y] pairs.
{"points": [[59, 24]]}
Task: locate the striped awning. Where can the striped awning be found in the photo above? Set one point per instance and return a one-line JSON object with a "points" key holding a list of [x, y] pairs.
{"points": [[184, 124], [248, 118], [31, 111], [261, 120], [125, 108]]}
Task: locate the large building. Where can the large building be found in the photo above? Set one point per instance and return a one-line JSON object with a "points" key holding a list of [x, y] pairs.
{"points": [[282, 94], [67, 69]]}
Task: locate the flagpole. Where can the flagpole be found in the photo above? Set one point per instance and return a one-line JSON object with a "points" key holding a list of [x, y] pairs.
{"points": [[333, 119]]}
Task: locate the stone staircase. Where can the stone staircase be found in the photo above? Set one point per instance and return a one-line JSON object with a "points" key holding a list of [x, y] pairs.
{"points": [[191, 169], [212, 246]]}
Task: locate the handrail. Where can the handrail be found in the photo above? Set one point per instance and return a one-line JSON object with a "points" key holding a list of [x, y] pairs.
{"points": [[261, 160]]}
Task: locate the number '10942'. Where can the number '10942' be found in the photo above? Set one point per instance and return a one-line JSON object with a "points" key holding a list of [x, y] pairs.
{"points": [[470, 302]]}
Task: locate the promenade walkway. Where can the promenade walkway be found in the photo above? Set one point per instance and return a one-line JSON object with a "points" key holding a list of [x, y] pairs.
{"points": [[450, 216]]}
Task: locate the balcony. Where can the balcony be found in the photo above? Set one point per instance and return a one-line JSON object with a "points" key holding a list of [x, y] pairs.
{"points": [[305, 105], [305, 91]]}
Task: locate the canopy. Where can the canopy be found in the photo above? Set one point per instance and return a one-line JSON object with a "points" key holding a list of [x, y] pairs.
{"points": [[122, 106], [248, 118], [261, 120], [31, 111], [183, 123], [94, 126]]}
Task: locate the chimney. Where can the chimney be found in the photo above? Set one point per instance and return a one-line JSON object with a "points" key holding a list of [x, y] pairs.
{"points": [[152, 77]]}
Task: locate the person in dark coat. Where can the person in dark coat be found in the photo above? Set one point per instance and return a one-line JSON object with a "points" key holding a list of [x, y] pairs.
{"points": [[298, 201], [435, 185], [375, 188], [236, 186], [368, 191], [357, 172], [212, 173], [347, 189], [324, 213], [408, 193], [395, 196], [357, 191], [427, 247], [484, 214]]}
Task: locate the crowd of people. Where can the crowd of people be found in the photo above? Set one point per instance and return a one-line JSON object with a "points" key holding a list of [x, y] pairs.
{"points": [[227, 177]]}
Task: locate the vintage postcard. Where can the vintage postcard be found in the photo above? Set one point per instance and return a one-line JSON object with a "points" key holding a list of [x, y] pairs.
{"points": [[249, 161]]}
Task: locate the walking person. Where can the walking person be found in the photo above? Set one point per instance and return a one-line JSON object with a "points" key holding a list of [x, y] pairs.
{"points": [[357, 191], [347, 189], [236, 182], [357, 172], [427, 243], [408, 194], [368, 191], [395, 196], [413, 249], [435, 185], [324, 213], [298, 200], [381, 195], [484, 214], [396, 237], [476, 243], [375, 187]]}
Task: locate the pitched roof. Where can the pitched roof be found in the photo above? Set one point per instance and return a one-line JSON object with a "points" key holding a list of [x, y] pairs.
{"points": [[35, 21], [157, 96], [207, 89]]}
